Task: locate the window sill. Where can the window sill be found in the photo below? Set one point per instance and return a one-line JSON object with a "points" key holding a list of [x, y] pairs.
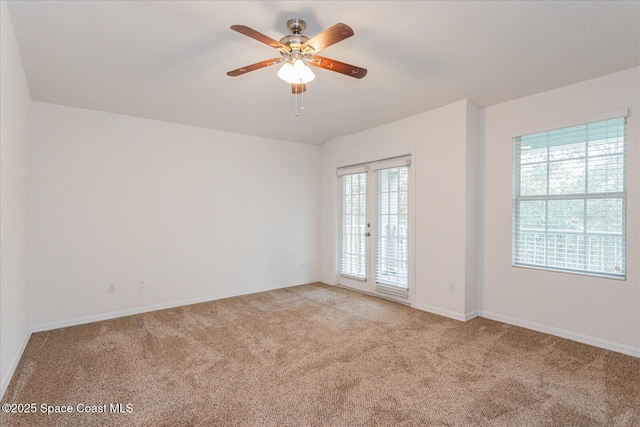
{"points": [[571, 272]]}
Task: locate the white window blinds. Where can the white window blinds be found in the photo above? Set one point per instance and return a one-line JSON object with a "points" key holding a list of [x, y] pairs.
{"points": [[569, 199], [353, 241], [392, 243]]}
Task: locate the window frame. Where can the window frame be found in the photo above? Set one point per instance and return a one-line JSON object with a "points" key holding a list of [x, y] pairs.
{"points": [[582, 253]]}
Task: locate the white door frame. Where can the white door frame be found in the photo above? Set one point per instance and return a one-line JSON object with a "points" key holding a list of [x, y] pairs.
{"points": [[368, 286]]}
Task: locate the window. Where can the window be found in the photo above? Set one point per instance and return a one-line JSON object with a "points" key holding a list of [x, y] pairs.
{"points": [[354, 222], [393, 228], [569, 198]]}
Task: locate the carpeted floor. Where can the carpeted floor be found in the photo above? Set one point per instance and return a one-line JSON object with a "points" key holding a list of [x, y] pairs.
{"points": [[323, 356]]}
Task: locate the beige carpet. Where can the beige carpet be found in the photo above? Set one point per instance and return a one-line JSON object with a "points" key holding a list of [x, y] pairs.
{"points": [[323, 356]]}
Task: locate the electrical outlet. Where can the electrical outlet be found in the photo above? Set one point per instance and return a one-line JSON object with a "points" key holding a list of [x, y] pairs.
{"points": [[111, 288], [141, 284], [452, 287]]}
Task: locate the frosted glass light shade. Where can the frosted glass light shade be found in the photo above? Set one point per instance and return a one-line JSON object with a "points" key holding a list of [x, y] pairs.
{"points": [[286, 72], [297, 73]]}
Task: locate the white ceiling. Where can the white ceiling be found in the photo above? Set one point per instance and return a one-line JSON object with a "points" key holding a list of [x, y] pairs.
{"points": [[168, 60]]}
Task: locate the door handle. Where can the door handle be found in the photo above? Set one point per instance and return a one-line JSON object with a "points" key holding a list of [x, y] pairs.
{"points": [[367, 234]]}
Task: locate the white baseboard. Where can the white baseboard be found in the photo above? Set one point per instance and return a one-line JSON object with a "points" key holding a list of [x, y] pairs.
{"points": [[563, 333], [470, 315], [138, 310], [14, 363], [441, 312]]}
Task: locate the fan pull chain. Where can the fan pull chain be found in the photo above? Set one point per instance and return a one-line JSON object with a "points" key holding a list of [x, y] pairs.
{"points": [[299, 91]]}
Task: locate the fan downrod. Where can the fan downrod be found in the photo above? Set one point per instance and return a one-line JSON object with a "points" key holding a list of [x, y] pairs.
{"points": [[296, 25]]}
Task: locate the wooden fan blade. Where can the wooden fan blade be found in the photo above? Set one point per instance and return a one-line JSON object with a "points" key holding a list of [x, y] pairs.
{"points": [[297, 88], [253, 67], [337, 66], [328, 37], [250, 32]]}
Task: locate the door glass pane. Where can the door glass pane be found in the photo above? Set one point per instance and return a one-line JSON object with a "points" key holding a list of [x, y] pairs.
{"points": [[393, 227], [353, 246]]}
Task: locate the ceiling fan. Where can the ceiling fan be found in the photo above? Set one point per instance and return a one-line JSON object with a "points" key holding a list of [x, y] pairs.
{"points": [[299, 51]]}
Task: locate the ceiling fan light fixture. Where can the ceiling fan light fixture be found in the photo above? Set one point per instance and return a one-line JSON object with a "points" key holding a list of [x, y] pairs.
{"points": [[296, 73]]}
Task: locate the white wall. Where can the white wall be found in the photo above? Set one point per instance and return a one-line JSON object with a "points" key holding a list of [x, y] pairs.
{"points": [[439, 141], [197, 213], [15, 100], [603, 312]]}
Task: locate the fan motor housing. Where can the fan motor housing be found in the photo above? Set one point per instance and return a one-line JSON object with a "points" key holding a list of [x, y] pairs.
{"points": [[294, 41]]}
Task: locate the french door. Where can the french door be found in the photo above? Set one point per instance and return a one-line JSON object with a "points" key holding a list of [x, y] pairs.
{"points": [[374, 228]]}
